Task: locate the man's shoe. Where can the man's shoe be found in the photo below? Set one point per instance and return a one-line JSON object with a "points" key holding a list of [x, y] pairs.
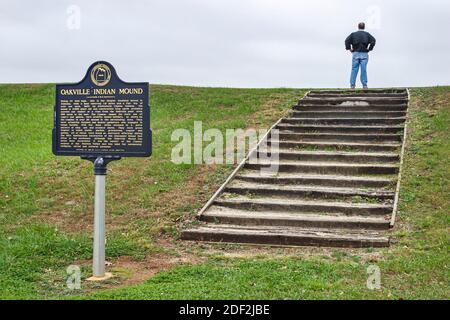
{"points": [[352, 87], [365, 87]]}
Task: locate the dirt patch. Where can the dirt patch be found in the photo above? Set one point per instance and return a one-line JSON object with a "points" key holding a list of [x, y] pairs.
{"points": [[65, 221], [128, 271]]}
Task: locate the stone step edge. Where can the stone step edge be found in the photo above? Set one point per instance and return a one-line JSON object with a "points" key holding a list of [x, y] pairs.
{"points": [[306, 220], [278, 238]]}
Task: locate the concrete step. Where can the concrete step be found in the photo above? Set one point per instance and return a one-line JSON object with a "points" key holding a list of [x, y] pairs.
{"points": [[340, 137], [305, 192], [358, 91], [286, 178], [345, 121], [347, 114], [284, 236], [339, 129], [296, 205], [324, 167], [321, 145], [223, 215], [334, 156], [346, 103], [403, 95], [339, 100], [350, 108]]}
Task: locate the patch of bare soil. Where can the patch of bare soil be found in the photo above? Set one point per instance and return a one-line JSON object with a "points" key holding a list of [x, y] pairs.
{"points": [[65, 221], [128, 271]]}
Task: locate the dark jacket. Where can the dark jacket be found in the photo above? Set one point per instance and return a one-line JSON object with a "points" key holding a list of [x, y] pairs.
{"points": [[360, 41]]}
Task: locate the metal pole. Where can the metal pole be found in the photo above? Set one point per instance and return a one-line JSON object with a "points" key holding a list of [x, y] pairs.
{"points": [[99, 227], [98, 260]]}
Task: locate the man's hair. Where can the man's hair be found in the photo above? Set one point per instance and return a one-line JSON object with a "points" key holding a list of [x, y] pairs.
{"points": [[361, 26]]}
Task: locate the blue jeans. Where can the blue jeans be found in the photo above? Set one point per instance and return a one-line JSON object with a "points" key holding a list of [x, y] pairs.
{"points": [[360, 59]]}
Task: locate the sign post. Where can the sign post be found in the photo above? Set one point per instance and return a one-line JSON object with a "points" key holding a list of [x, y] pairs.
{"points": [[102, 119], [98, 261]]}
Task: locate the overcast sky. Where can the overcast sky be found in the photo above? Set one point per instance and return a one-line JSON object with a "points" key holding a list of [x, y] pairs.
{"points": [[233, 43]]}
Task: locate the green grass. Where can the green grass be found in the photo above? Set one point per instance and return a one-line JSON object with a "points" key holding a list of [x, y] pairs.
{"points": [[46, 201], [245, 279], [34, 258], [46, 207]]}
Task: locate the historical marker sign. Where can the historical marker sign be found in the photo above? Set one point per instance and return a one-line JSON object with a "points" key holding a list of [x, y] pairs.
{"points": [[102, 119], [102, 116]]}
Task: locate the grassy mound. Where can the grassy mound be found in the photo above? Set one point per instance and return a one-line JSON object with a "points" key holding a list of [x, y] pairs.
{"points": [[46, 210]]}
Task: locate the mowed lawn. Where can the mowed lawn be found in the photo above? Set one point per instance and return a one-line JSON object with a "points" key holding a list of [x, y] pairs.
{"points": [[46, 209], [46, 202]]}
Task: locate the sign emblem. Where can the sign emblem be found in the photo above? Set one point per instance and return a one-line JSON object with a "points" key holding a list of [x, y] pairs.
{"points": [[101, 74]]}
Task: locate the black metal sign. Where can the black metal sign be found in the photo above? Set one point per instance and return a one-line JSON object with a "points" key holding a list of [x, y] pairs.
{"points": [[102, 116]]}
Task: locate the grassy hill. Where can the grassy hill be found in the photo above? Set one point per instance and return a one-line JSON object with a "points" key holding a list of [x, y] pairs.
{"points": [[46, 209]]}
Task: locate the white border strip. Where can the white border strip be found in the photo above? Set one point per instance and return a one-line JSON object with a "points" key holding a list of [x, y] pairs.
{"points": [[402, 153], [239, 167]]}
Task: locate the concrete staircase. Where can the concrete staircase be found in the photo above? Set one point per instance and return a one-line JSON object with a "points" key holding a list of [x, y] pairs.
{"points": [[339, 157]]}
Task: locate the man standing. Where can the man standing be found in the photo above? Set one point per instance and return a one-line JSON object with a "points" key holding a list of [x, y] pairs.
{"points": [[359, 43]]}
